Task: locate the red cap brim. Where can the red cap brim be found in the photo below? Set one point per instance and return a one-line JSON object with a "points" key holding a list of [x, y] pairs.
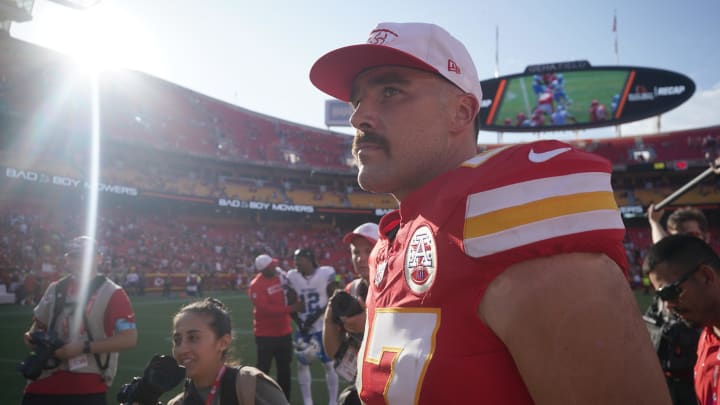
{"points": [[348, 238], [335, 71]]}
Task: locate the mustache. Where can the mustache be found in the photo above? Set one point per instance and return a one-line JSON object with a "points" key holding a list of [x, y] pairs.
{"points": [[364, 138]]}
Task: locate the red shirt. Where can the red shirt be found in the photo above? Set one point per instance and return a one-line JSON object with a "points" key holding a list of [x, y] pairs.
{"points": [[425, 343], [68, 382], [707, 368], [271, 314]]}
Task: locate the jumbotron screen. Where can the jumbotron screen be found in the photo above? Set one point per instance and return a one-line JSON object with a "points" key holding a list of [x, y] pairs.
{"points": [[575, 95]]}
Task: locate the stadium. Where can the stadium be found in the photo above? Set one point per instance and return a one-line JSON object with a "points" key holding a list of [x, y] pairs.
{"points": [[189, 183]]}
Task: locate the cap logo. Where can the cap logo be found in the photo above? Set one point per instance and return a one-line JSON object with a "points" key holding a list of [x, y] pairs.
{"points": [[453, 67], [381, 36]]}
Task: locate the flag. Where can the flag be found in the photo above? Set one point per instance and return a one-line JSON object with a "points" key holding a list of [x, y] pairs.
{"points": [[614, 28], [614, 23], [497, 50]]}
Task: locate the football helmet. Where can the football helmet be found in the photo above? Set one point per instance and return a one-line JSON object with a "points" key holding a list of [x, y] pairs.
{"points": [[306, 351]]}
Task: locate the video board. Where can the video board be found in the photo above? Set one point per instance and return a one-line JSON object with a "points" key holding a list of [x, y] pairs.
{"points": [[575, 95]]}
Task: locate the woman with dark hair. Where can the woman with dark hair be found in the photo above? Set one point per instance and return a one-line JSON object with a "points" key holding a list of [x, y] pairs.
{"points": [[202, 335]]}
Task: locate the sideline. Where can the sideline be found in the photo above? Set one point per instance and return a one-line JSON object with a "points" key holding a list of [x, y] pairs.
{"points": [[137, 302]]}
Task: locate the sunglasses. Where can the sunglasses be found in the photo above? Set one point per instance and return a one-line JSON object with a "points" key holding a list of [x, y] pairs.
{"points": [[672, 291]]}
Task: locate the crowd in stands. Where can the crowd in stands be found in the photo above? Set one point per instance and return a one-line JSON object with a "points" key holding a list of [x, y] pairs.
{"points": [[665, 147], [151, 112], [213, 149], [145, 249]]}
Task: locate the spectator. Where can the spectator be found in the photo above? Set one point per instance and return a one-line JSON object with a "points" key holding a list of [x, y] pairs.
{"points": [[687, 220]]}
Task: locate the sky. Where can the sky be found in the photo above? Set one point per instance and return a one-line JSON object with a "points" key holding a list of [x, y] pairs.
{"points": [[257, 54]]}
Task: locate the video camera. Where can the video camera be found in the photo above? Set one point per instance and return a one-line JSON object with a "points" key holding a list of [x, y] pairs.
{"points": [[344, 304], [161, 374], [41, 358]]}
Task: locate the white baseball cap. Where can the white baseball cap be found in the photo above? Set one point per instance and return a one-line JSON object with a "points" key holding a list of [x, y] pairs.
{"points": [[367, 230], [263, 261], [415, 45], [78, 246]]}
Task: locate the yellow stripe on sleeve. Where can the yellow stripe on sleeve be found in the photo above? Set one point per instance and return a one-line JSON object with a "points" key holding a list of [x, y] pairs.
{"points": [[547, 208]]}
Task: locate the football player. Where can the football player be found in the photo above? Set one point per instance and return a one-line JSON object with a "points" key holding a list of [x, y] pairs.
{"points": [[313, 284], [501, 277]]}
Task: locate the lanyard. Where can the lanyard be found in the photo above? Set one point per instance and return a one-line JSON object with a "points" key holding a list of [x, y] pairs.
{"points": [[215, 386]]}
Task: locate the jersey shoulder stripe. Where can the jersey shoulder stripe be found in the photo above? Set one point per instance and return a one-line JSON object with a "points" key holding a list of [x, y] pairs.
{"points": [[511, 214]]}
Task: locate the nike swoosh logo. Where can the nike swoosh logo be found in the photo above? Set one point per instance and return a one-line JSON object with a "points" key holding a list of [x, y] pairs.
{"points": [[545, 156]]}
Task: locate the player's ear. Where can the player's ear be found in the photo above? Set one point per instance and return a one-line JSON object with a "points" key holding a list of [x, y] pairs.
{"points": [[465, 109], [709, 276]]}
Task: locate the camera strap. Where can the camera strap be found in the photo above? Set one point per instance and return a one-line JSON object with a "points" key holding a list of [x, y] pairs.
{"points": [[94, 286], [60, 297]]}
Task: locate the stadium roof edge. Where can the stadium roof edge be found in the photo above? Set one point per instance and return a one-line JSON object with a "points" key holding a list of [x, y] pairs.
{"points": [[20, 56]]}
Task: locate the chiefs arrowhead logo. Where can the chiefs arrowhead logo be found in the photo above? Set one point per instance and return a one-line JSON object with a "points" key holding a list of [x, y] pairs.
{"points": [[381, 37]]}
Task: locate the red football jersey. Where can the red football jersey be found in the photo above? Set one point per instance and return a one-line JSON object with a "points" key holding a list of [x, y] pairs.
{"points": [[424, 342], [707, 368]]}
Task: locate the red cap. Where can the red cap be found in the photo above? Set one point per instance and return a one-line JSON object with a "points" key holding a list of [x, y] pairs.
{"points": [[367, 230]]}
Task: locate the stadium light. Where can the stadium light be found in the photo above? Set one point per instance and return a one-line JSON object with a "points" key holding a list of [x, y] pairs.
{"points": [[77, 4]]}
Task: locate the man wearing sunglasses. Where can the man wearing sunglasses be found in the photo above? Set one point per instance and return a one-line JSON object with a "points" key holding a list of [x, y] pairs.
{"points": [[676, 341], [685, 272]]}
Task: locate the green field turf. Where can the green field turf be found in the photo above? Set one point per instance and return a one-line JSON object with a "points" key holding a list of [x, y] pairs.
{"points": [[154, 316], [153, 319], [580, 87]]}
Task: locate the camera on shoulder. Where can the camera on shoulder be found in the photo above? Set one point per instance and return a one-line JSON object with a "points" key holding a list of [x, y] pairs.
{"points": [[344, 304], [41, 358], [161, 374]]}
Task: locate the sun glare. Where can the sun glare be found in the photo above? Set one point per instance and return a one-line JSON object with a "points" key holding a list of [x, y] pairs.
{"points": [[99, 38]]}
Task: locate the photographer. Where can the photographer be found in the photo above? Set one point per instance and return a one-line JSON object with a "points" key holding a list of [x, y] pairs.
{"points": [[675, 341], [75, 357], [161, 375], [345, 315], [202, 337]]}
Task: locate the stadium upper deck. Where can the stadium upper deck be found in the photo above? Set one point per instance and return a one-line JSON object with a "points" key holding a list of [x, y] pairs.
{"points": [[45, 103]]}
